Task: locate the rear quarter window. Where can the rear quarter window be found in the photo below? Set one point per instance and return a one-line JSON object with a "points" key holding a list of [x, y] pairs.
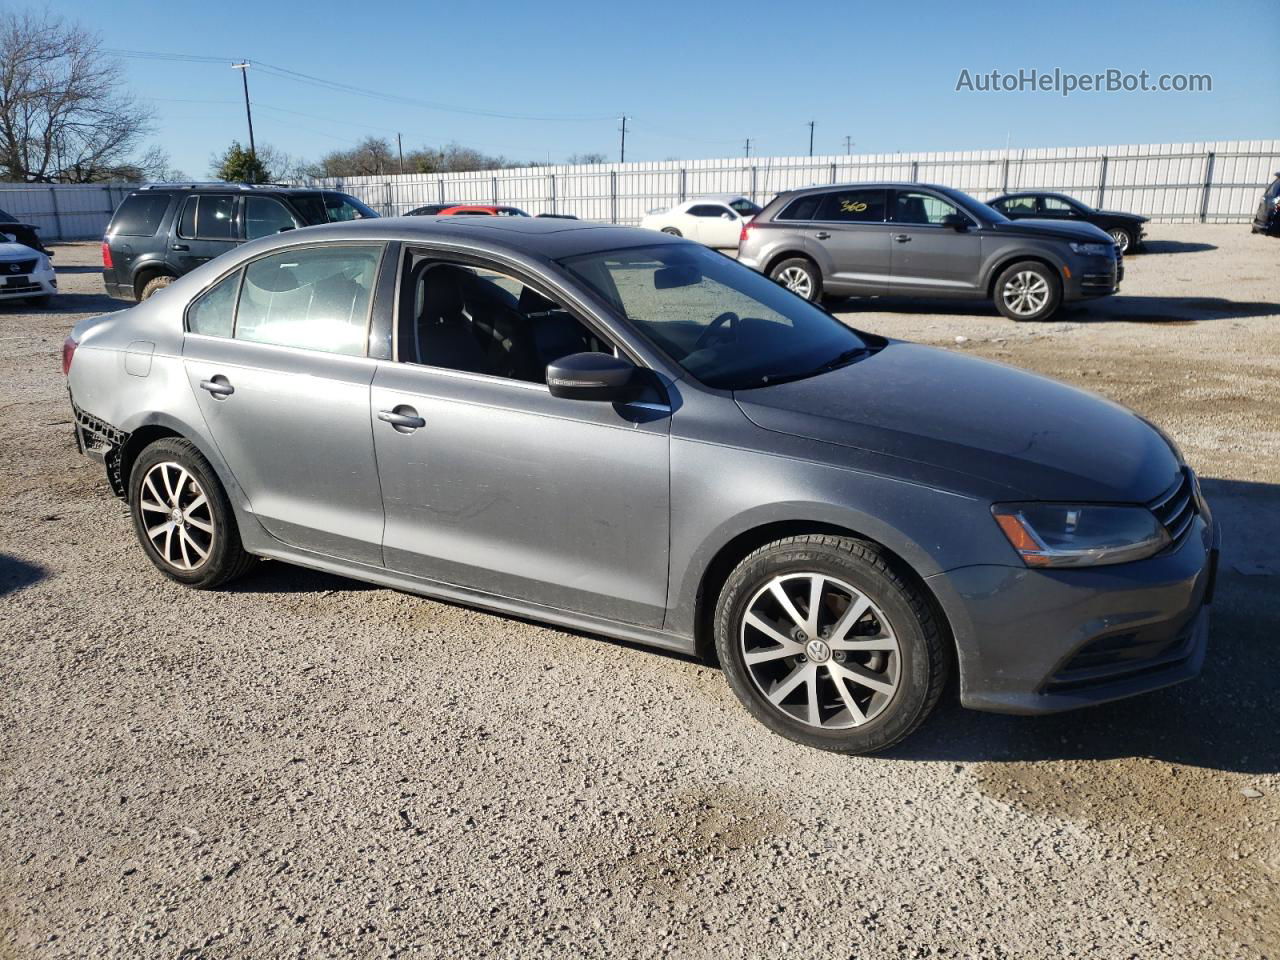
{"points": [[801, 208], [140, 215]]}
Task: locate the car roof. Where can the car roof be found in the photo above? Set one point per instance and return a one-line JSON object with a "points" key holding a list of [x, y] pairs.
{"points": [[873, 185], [540, 237]]}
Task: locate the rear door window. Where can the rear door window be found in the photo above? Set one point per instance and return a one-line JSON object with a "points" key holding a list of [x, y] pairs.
{"points": [[314, 298], [1018, 205], [208, 216], [140, 215], [213, 313], [708, 210], [852, 206], [921, 208]]}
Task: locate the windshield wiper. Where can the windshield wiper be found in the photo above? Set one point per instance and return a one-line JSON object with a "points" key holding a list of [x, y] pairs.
{"points": [[841, 360]]}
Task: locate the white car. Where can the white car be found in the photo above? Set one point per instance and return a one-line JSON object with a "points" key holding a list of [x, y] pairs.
{"points": [[25, 274], [716, 220]]}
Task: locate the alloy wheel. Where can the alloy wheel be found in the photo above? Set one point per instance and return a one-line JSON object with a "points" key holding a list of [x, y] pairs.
{"points": [[1026, 293], [797, 281], [820, 651], [1121, 238], [177, 516]]}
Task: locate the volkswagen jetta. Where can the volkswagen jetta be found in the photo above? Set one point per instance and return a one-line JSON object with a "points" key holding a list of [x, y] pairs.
{"points": [[629, 434]]}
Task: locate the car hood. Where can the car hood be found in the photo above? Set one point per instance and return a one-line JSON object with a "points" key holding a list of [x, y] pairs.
{"points": [[1053, 229], [1037, 438], [16, 251], [1121, 215]]}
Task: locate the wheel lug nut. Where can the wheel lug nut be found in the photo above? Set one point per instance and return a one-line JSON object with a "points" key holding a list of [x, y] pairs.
{"points": [[839, 656]]}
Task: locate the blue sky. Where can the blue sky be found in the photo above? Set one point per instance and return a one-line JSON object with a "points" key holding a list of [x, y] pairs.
{"points": [[697, 78]]}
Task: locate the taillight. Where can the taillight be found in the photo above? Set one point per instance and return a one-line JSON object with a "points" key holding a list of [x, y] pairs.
{"points": [[746, 232], [68, 351], [106, 256]]}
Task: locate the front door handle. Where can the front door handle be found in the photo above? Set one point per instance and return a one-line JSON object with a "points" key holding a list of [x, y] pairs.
{"points": [[404, 419], [902, 237], [218, 386], [181, 246], [822, 235]]}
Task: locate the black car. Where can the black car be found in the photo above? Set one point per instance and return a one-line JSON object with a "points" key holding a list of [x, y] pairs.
{"points": [[1126, 229], [23, 233], [1267, 219], [162, 231], [431, 209]]}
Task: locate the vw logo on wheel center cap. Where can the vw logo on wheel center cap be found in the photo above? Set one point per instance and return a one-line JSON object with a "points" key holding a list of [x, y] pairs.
{"points": [[817, 651]]}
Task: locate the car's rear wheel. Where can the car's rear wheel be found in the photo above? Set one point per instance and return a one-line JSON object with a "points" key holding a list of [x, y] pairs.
{"points": [[800, 276], [1122, 237], [182, 516], [828, 644], [1028, 290], [672, 232], [154, 286]]}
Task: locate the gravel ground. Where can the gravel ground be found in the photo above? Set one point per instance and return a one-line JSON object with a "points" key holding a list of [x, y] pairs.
{"points": [[306, 766]]}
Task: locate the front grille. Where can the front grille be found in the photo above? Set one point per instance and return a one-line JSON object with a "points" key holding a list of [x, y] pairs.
{"points": [[1176, 508], [24, 266], [26, 288]]}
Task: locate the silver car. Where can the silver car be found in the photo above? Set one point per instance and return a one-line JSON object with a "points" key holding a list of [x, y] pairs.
{"points": [[923, 240], [632, 435]]}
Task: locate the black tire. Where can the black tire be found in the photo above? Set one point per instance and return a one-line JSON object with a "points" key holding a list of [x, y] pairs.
{"points": [[1125, 239], [672, 232], [226, 558], [788, 274], [1016, 273], [155, 284], [923, 664]]}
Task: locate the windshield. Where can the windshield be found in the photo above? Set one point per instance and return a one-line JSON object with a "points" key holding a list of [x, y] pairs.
{"points": [[329, 207], [744, 207], [728, 326]]}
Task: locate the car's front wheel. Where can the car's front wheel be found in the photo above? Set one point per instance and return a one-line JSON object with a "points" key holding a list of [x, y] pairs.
{"points": [[182, 516], [800, 276], [828, 644], [1028, 290]]}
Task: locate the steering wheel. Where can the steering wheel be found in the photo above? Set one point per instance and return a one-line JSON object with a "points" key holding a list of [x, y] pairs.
{"points": [[728, 318]]}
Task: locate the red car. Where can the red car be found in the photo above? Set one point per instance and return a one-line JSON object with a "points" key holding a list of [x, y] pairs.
{"points": [[465, 209]]}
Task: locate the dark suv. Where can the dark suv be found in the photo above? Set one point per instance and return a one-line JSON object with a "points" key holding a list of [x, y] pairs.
{"points": [[1267, 219], [162, 231], [922, 240]]}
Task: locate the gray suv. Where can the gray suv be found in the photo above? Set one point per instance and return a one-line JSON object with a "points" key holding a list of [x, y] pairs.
{"points": [[922, 240]]}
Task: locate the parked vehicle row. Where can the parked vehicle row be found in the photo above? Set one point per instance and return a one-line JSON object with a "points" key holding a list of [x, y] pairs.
{"points": [[705, 461]]}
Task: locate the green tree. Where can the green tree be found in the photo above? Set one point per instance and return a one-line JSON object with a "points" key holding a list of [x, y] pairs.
{"points": [[238, 165]]}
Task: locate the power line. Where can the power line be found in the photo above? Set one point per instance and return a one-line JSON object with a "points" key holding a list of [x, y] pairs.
{"points": [[296, 76]]}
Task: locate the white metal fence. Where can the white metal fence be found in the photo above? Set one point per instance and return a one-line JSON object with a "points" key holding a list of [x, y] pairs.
{"points": [[1214, 182], [65, 211]]}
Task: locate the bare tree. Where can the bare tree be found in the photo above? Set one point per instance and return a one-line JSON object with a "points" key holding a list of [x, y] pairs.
{"points": [[63, 115]]}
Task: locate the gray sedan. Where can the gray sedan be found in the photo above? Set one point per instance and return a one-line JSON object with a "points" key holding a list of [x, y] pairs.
{"points": [[631, 435]]}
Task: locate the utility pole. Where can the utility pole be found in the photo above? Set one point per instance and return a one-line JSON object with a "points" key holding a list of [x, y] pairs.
{"points": [[748, 153], [244, 75], [848, 145], [811, 138], [622, 152], [400, 149]]}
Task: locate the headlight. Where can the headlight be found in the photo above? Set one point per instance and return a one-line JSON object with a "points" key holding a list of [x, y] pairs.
{"points": [[1092, 249], [1080, 534]]}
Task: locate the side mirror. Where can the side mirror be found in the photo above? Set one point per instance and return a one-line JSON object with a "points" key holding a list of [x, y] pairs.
{"points": [[956, 221], [591, 376], [726, 216]]}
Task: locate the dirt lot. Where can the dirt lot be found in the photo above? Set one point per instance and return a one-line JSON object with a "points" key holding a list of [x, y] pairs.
{"points": [[305, 766]]}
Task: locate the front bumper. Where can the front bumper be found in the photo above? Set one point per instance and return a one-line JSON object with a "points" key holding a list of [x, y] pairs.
{"points": [[1092, 277], [1042, 641], [38, 283]]}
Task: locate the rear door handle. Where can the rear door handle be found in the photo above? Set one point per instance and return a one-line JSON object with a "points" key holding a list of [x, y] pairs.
{"points": [[902, 237], [181, 246], [218, 386], [822, 235], [404, 419]]}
